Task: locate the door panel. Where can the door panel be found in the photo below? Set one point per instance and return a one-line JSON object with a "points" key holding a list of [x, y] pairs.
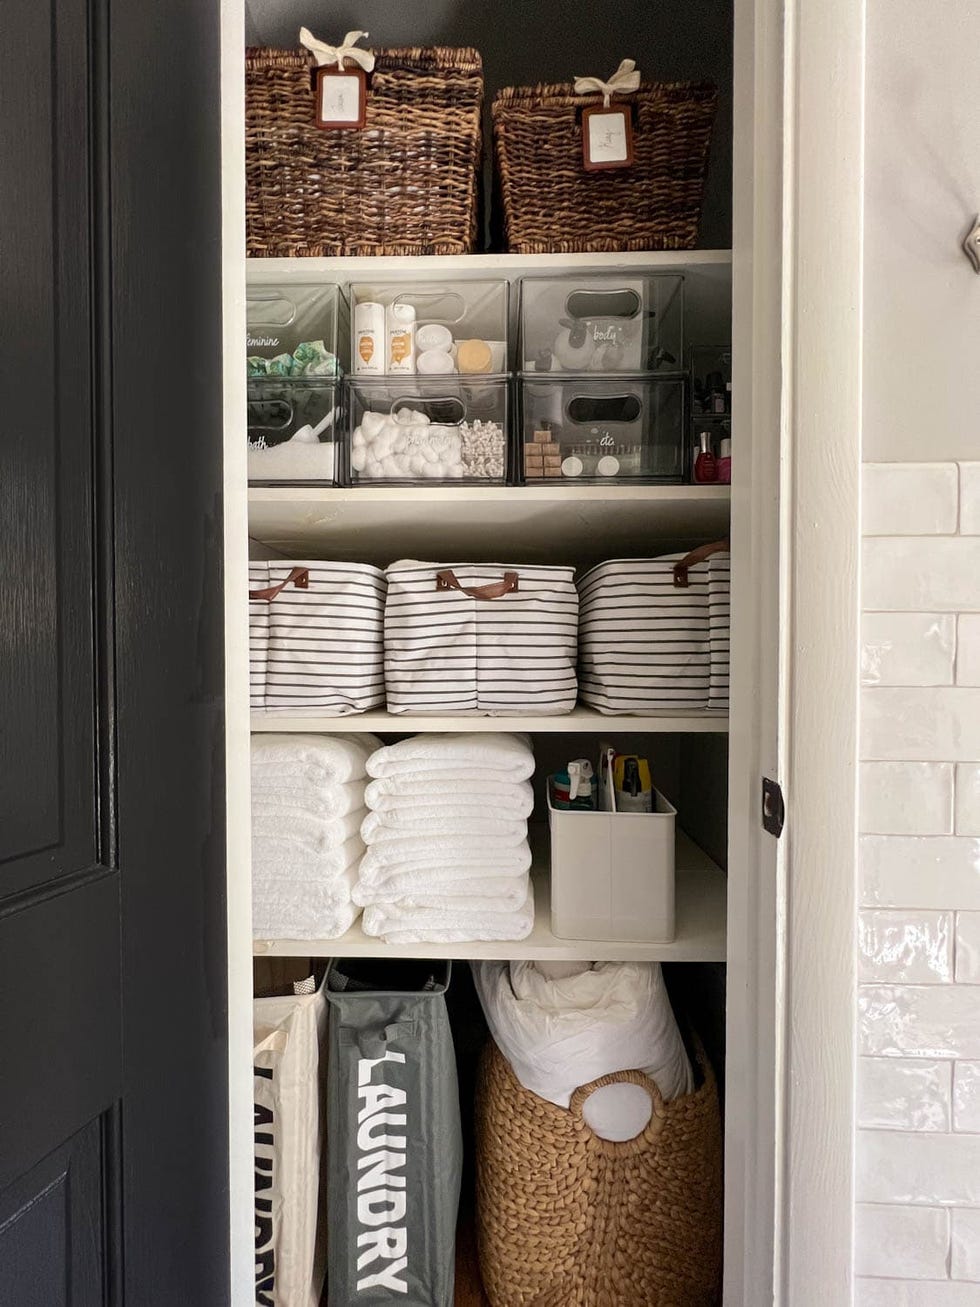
{"points": [[51, 1229]]}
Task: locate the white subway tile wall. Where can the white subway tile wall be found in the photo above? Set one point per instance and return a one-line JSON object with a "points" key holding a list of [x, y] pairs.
{"points": [[918, 1104]]}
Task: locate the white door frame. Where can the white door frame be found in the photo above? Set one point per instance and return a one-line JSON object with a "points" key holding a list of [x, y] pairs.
{"points": [[798, 237]]}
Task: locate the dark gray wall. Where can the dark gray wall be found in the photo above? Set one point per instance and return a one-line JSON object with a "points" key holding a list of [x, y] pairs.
{"points": [[547, 41]]}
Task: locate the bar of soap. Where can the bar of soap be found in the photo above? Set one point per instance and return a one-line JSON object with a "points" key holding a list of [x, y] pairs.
{"points": [[473, 356], [545, 437]]}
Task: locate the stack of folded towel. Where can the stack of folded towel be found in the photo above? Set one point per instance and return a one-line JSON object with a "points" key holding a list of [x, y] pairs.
{"points": [[307, 810], [446, 833]]}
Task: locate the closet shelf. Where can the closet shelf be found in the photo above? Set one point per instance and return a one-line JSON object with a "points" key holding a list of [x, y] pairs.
{"points": [[529, 524], [700, 910], [704, 263], [580, 719]]}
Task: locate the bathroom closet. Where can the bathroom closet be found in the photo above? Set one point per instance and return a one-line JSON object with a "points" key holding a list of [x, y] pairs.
{"points": [[713, 766]]}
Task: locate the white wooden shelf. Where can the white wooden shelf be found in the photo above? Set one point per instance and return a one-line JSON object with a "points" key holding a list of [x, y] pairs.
{"points": [[529, 524], [701, 896], [580, 719], [371, 268]]}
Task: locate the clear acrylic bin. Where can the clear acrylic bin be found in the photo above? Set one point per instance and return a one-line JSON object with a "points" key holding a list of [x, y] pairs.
{"points": [[293, 429], [612, 874], [295, 331], [429, 330], [611, 324], [595, 431], [711, 382], [420, 431]]}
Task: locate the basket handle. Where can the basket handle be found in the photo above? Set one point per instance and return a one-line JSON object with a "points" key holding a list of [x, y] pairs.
{"points": [[649, 1131], [299, 577], [446, 580], [696, 556]]}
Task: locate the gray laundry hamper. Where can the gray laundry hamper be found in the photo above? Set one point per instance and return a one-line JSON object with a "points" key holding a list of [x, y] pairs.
{"points": [[394, 1137]]}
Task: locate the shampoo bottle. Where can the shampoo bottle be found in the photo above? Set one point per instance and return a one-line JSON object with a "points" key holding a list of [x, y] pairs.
{"points": [[401, 338], [369, 339]]}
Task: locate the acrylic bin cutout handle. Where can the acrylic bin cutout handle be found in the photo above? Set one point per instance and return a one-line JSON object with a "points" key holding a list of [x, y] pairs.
{"points": [[429, 406], [446, 580], [681, 579], [299, 578]]}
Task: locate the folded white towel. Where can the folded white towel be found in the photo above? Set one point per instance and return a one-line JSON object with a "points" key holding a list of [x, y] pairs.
{"points": [[305, 833], [470, 757], [276, 859], [451, 837], [317, 800], [396, 925], [427, 823], [504, 798], [433, 859], [482, 894], [297, 910], [316, 759]]}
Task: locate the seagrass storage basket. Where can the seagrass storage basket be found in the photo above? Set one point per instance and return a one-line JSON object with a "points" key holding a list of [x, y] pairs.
{"points": [[566, 1219], [405, 183], [553, 205]]}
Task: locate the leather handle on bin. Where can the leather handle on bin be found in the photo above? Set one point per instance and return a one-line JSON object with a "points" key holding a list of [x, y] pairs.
{"points": [[697, 556], [299, 577], [446, 580]]}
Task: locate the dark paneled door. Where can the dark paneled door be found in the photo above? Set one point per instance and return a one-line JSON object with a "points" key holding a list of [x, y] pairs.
{"points": [[113, 1136]]}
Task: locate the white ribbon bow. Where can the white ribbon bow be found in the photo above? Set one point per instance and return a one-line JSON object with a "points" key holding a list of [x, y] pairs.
{"points": [[624, 79], [330, 54]]}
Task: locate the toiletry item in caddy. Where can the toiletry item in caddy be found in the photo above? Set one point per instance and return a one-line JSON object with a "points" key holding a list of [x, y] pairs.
{"points": [[433, 336], [435, 363], [401, 338], [705, 464], [474, 357], [725, 462], [542, 456], [369, 338], [574, 789], [625, 784]]}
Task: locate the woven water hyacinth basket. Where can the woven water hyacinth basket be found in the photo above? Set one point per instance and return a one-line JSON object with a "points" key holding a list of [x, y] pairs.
{"points": [[566, 1219], [405, 183], [553, 205]]}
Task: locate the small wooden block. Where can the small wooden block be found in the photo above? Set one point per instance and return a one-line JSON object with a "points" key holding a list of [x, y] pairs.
{"points": [[544, 437]]}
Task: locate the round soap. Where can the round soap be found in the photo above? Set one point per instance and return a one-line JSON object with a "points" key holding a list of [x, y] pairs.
{"points": [[435, 362], [474, 356], [433, 336], [572, 466], [608, 466]]}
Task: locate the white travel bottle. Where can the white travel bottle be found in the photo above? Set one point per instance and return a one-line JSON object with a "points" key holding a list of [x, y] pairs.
{"points": [[401, 338], [370, 343]]}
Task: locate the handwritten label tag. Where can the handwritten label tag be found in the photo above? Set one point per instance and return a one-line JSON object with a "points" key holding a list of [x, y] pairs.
{"points": [[607, 139], [341, 98]]}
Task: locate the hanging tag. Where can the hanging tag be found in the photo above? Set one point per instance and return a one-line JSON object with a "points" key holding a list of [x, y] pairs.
{"points": [[607, 138], [341, 98]]}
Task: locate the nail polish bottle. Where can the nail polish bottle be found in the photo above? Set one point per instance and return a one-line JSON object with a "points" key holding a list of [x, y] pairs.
{"points": [[725, 462], [705, 463]]}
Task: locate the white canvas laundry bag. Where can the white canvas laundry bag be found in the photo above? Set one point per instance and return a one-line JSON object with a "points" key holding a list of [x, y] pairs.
{"points": [[289, 1062], [316, 636], [654, 633], [481, 638]]}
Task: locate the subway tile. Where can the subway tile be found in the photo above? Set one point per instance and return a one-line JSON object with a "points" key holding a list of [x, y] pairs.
{"points": [[968, 948], [909, 1242], [967, 803], [908, 648], [966, 1096], [964, 1262], [899, 871], [909, 499], [968, 649], [938, 724], [970, 499], [915, 1293], [895, 1167], [915, 574], [906, 798], [896, 1093], [932, 1021], [905, 948]]}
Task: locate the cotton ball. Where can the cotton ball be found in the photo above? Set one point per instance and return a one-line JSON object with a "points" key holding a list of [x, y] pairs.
{"points": [[371, 424], [357, 439], [374, 468], [431, 453], [393, 466], [416, 464], [456, 471], [433, 471], [358, 458]]}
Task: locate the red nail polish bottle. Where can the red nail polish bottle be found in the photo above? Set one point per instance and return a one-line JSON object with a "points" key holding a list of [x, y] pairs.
{"points": [[705, 463]]}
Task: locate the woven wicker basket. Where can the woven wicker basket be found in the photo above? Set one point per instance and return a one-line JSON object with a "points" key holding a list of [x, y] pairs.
{"points": [[552, 205], [566, 1219], [404, 184]]}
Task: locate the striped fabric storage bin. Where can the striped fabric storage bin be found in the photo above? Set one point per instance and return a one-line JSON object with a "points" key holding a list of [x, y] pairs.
{"points": [[480, 638], [315, 636], [654, 632]]}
